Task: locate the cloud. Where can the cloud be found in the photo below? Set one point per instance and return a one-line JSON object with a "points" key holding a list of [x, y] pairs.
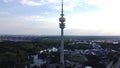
{"points": [[68, 5], [46, 13], [52, 1], [81, 5], [89, 32], [105, 22], [30, 25], [84, 32], [7, 1], [105, 4], [31, 18], [30, 2], [53, 4], [4, 13], [36, 2]]}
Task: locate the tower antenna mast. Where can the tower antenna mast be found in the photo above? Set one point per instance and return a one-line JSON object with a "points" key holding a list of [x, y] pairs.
{"points": [[62, 9]]}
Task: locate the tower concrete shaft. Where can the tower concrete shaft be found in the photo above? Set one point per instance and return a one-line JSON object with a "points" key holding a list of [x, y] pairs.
{"points": [[62, 49]]}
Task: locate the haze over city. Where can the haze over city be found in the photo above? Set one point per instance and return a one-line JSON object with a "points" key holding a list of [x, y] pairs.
{"points": [[40, 17]]}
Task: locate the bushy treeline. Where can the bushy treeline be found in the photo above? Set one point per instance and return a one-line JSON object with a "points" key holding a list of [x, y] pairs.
{"points": [[17, 53]]}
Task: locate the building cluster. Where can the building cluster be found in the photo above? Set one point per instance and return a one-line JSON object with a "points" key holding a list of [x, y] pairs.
{"points": [[102, 54]]}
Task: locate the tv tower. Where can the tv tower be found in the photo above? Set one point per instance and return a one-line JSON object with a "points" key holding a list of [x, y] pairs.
{"points": [[62, 26]]}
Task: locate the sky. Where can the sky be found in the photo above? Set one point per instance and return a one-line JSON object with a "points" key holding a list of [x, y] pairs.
{"points": [[41, 17]]}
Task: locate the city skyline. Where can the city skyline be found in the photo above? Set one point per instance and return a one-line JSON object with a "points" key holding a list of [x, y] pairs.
{"points": [[40, 17]]}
